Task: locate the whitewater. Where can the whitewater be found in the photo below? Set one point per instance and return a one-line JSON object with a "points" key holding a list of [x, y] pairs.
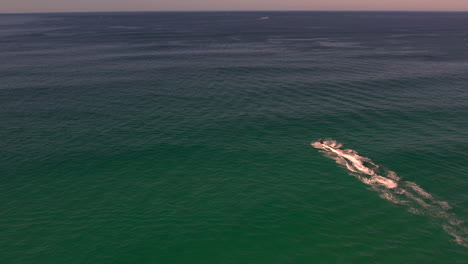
{"points": [[391, 187]]}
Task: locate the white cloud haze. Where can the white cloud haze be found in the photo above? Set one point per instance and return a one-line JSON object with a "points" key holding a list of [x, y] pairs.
{"points": [[8, 6]]}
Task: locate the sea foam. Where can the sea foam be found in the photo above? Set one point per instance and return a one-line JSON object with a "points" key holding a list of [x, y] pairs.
{"points": [[390, 187]]}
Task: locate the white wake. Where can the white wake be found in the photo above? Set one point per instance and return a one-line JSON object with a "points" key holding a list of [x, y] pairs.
{"points": [[390, 187]]}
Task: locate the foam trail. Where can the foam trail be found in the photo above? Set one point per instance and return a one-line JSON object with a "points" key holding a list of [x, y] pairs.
{"points": [[391, 188]]}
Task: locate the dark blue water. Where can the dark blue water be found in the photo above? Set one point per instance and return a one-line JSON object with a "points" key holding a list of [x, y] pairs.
{"points": [[185, 137]]}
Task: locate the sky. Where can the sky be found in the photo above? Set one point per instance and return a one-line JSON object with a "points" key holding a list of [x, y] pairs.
{"points": [[25, 6]]}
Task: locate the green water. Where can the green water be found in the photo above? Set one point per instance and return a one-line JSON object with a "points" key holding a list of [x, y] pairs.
{"points": [[185, 137]]}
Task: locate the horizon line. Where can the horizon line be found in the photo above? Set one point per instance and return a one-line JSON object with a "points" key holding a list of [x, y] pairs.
{"points": [[233, 10]]}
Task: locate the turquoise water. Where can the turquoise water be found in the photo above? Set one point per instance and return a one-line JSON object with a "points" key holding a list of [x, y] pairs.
{"points": [[185, 137]]}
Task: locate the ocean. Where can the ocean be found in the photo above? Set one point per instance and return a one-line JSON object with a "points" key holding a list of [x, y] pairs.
{"points": [[185, 137]]}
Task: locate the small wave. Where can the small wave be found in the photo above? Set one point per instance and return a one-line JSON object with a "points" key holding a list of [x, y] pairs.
{"points": [[391, 188]]}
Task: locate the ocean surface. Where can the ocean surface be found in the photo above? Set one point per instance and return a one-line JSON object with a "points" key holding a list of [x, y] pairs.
{"points": [[168, 138]]}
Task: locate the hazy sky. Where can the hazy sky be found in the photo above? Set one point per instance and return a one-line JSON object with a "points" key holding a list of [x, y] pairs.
{"points": [[8, 6]]}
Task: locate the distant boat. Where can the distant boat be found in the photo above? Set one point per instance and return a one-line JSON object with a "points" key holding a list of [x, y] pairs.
{"points": [[263, 18]]}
